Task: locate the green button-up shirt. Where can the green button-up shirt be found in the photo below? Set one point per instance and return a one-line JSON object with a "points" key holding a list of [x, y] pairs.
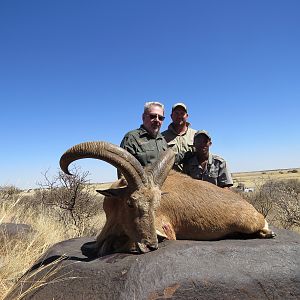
{"points": [[215, 172], [144, 147]]}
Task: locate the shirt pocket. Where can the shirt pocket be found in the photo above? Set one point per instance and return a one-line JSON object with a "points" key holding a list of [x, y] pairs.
{"points": [[149, 152]]}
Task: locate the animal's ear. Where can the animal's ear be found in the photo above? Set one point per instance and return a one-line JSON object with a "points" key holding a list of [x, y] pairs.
{"points": [[113, 192]]}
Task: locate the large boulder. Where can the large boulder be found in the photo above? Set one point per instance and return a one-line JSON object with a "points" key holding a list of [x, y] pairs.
{"points": [[224, 269]]}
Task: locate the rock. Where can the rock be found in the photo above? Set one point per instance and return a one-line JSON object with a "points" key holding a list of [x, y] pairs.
{"points": [[224, 269]]}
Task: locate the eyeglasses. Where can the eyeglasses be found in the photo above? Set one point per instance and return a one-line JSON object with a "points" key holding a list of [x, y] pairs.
{"points": [[154, 116]]}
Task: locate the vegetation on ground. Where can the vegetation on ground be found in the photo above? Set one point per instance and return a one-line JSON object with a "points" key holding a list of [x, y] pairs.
{"points": [[257, 178], [67, 207], [61, 210], [278, 201]]}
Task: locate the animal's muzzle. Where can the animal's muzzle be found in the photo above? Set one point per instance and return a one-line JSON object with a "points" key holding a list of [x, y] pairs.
{"points": [[145, 247]]}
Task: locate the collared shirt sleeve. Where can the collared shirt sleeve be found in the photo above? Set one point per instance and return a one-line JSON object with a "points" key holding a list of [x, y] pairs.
{"points": [[128, 143], [224, 178]]}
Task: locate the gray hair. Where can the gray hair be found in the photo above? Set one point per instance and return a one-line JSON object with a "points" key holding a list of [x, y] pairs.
{"points": [[153, 103]]}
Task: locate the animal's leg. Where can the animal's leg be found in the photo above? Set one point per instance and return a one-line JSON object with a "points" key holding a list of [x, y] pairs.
{"points": [[266, 233], [169, 231]]}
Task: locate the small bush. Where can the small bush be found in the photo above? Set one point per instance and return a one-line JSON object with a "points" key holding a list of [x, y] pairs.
{"points": [[72, 197], [9, 191], [279, 199]]}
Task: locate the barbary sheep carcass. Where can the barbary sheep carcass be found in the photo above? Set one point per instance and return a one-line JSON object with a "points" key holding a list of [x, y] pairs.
{"points": [[149, 202]]}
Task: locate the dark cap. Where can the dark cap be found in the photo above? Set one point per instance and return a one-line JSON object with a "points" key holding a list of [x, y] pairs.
{"points": [[180, 104], [202, 132]]}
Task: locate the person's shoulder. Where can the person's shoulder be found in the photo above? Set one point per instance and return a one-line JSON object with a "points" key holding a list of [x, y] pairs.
{"points": [[169, 134], [133, 132], [130, 137], [190, 133], [165, 132], [192, 130], [169, 131], [218, 158]]}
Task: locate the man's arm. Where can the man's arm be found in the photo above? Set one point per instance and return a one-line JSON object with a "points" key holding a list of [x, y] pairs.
{"points": [[128, 145], [224, 178]]}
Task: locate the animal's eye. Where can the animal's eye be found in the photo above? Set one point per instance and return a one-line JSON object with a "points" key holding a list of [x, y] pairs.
{"points": [[129, 203]]}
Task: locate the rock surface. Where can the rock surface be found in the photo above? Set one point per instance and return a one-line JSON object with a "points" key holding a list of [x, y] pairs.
{"points": [[224, 269]]}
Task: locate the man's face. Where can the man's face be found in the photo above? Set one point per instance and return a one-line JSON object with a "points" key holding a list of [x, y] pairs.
{"points": [[153, 119], [179, 116], [202, 144]]}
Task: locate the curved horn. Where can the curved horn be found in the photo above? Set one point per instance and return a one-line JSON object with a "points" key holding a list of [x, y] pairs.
{"points": [[115, 155], [161, 168]]}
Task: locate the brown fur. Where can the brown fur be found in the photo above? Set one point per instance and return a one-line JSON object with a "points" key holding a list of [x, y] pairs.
{"points": [[199, 210], [187, 209]]}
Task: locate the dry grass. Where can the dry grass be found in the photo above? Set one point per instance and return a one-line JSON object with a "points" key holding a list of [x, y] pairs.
{"points": [[18, 254], [49, 271]]}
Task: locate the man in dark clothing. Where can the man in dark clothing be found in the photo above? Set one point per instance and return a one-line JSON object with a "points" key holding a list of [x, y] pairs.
{"points": [[201, 164], [146, 142]]}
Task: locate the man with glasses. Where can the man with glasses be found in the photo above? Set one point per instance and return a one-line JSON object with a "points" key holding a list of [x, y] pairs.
{"points": [[179, 135], [146, 142]]}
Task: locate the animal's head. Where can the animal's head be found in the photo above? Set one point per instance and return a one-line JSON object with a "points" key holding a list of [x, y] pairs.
{"points": [[130, 204]]}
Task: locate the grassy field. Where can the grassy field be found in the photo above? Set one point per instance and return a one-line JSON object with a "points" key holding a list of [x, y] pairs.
{"points": [[249, 179], [18, 253], [52, 224], [257, 178]]}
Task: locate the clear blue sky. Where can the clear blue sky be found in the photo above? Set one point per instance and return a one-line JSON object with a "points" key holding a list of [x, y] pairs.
{"points": [[75, 71]]}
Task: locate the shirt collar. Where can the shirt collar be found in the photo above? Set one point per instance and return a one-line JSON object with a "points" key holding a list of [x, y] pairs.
{"points": [[144, 132], [171, 128]]}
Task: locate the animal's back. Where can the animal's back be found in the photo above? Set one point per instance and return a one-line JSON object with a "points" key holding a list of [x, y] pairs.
{"points": [[200, 210]]}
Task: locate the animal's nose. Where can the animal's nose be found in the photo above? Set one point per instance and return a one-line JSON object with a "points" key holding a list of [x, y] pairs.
{"points": [[152, 247], [147, 244], [146, 247]]}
